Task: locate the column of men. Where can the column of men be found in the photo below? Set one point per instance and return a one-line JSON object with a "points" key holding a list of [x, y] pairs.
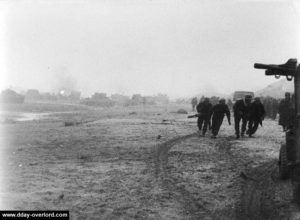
{"points": [[244, 111]]}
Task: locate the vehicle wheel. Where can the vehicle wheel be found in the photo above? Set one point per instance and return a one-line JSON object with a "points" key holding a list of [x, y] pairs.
{"points": [[283, 163]]}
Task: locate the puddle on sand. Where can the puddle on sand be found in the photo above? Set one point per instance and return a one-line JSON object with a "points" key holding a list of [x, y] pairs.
{"points": [[23, 116], [120, 120], [32, 116]]}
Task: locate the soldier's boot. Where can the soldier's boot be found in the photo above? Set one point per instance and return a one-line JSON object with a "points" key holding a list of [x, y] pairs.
{"points": [[251, 133]]}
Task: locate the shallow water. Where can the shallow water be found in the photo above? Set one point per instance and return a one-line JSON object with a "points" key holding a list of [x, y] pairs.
{"points": [[24, 116], [32, 116]]}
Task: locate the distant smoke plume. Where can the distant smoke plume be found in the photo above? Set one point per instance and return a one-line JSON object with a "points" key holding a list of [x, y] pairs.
{"points": [[64, 81]]}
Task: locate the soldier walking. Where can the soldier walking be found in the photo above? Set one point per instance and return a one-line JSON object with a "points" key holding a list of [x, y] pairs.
{"points": [[204, 110], [241, 112], [256, 116], [267, 102], [194, 103], [285, 111], [274, 108], [218, 111], [229, 104]]}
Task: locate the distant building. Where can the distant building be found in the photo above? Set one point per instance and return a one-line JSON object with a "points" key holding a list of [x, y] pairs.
{"points": [[120, 99], [32, 93], [10, 96], [161, 99], [241, 94], [149, 100], [99, 96], [136, 99], [47, 96], [75, 96], [98, 100]]}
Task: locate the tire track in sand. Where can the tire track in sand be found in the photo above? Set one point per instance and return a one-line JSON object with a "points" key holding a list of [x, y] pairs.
{"points": [[195, 207], [161, 152], [257, 199], [257, 185], [192, 208]]}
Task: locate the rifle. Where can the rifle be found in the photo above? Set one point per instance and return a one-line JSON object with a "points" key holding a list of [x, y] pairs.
{"points": [[194, 116]]}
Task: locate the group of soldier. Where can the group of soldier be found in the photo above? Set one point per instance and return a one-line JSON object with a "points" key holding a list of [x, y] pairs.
{"points": [[208, 113], [248, 112]]}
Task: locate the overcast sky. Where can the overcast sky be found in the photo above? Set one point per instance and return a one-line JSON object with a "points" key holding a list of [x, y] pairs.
{"points": [[177, 47]]}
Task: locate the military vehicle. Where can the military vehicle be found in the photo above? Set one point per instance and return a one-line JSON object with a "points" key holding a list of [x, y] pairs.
{"points": [[241, 94]]}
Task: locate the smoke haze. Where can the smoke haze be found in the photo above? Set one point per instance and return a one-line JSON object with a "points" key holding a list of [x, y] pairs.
{"points": [[181, 48]]}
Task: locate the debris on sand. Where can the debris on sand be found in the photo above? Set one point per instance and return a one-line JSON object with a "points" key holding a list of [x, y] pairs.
{"points": [[132, 113], [166, 121], [61, 196], [163, 122], [72, 123], [33, 164], [182, 111], [246, 177], [85, 158]]}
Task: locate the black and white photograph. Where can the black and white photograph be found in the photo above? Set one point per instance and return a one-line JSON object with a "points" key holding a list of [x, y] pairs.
{"points": [[150, 109]]}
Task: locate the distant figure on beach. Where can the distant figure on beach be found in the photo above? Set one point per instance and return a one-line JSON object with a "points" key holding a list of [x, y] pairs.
{"points": [[194, 103], [275, 106], [218, 112], [229, 104], [271, 107]]}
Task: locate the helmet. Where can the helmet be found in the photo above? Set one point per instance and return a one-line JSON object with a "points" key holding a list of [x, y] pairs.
{"points": [[206, 99], [222, 101]]}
